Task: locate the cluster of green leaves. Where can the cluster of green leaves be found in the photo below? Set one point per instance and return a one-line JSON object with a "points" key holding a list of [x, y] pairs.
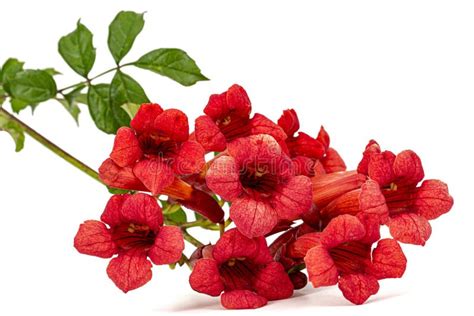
{"points": [[111, 105]]}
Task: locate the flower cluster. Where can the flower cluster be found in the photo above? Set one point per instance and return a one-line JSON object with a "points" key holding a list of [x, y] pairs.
{"points": [[281, 185]]}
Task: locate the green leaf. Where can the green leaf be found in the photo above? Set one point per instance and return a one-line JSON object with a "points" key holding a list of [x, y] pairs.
{"points": [[77, 49], [106, 117], [71, 101], [131, 109], [123, 31], [52, 71], [172, 63], [2, 95], [33, 86], [15, 131], [178, 217], [124, 89], [82, 98], [18, 105], [9, 70], [72, 108]]}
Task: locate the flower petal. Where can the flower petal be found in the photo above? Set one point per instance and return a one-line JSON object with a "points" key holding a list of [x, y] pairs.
{"points": [[323, 138], [328, 187], [112, 214], [116, 177], [305, 145], [253, 217], [209, 135], [238, 101], [242, 299], [289, 122], [217, 106], [432, 199], [129, 270], [223, 178], [321, 268], [388, 259], [126, 148], [168, 246], [410, 228], [294, 198], [372, 201], [174, 124], [407, 168], [300, 247], [190, 158], [260, 124], [154, 174], [273, 283], [205, 278], [332, 161], [142, 209], [304, 166], [380, 167], [233, 244], [145, 118], [255, 148], [341, 229], [262, 253], [203, 204], [357, 288], [372, 225], [371, 148], [93, 238]]}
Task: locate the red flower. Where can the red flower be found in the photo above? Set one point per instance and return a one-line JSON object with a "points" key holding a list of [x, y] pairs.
{"points": [[367, 203], [243, 270], [303, 144], [339, 255], [327, 187], [155, 148], [135, 232], [258, 178], [307, 151], [152, 153], [410, 206], [228, 118]]}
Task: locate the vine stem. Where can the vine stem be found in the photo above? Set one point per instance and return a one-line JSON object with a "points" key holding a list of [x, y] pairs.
{"points": [[189, 238], [93, 78], [53, 147]]}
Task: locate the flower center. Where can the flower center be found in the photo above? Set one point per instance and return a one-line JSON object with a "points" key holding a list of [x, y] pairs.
{"points": [[233, 126], [238, 274], [351, 257], [156, 145], [259, 178], [399, 200], [133, 236]]}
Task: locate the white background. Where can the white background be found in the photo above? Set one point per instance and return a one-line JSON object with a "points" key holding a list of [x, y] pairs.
{"points": [[401, 72]]}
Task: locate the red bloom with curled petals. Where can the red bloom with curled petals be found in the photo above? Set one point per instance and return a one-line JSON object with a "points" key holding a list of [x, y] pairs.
{"points": [[258, 179], [307, 151], [227, 117], [340, 255], [243, 270], [135, 232], [154, 149], [410, 206], [153, 153]]}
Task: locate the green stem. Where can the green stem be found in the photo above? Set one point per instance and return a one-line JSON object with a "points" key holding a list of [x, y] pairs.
{"points": [[189, 238], [200, 223], [51, 146], [93, 78]]}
